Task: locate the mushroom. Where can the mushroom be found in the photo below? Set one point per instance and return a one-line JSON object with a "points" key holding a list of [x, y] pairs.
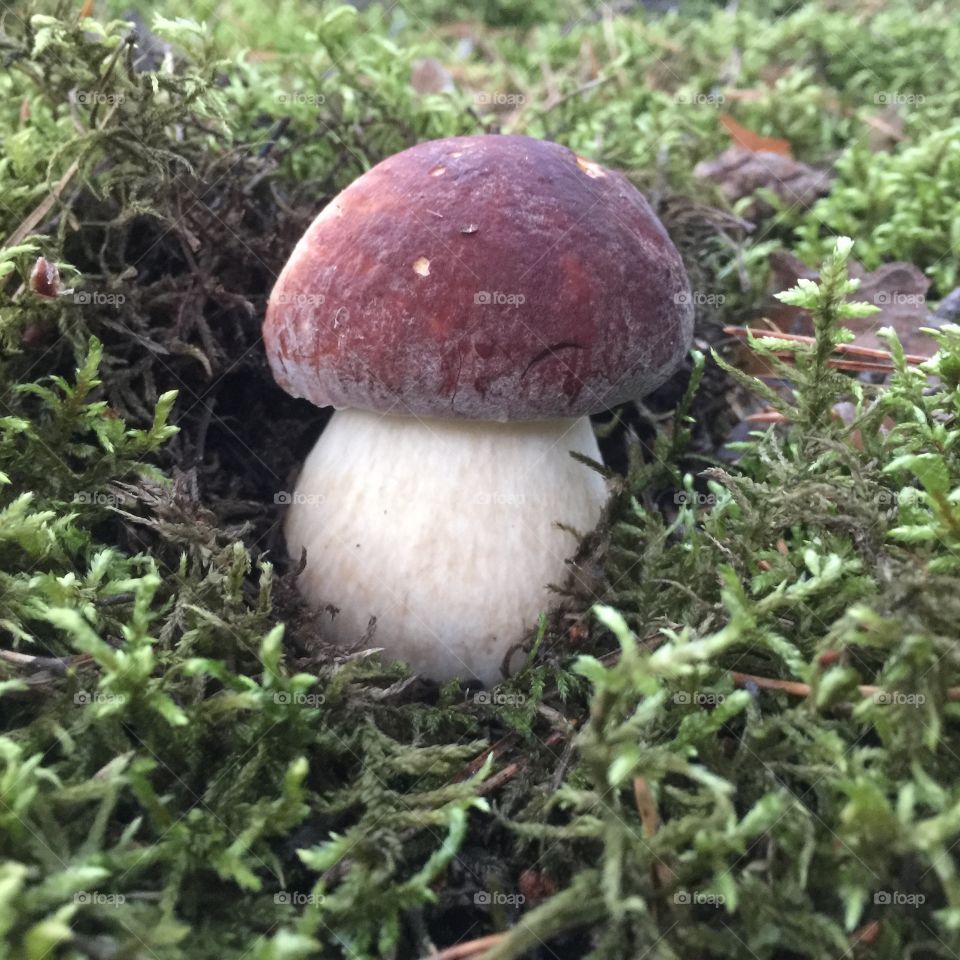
{"points": [[465, 305]]}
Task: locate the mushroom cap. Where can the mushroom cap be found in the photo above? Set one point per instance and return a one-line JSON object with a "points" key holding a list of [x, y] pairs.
{"points": [[490, 277]]}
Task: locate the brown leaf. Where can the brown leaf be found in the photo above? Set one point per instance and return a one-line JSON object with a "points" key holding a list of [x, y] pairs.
{"points": [[867, 934], [741, 173], [898, 289], [754, 141], [430, 76], [748, 95], [535, 885], [785, 270], [886, 129]]}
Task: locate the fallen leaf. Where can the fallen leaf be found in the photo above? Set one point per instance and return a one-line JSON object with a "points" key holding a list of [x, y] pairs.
{"points": [[748, 95], [898, 289], [867, 934], [430, 76], [741, 173], [535, 885], [754, 141], [886, 129], [772, 72]]}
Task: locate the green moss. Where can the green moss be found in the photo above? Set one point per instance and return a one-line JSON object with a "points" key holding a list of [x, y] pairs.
{"points": [[903, 205]]}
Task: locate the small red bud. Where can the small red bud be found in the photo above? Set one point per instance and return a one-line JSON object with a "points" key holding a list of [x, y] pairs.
{"points": [[45, 279]]}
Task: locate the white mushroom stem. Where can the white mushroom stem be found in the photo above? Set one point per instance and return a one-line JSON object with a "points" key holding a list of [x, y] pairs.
{"points": [[445, 531]]}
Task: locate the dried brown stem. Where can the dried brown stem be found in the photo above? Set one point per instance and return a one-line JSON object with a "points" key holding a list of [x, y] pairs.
{"points": [[797, 689], [853, 349], [472, 948]]}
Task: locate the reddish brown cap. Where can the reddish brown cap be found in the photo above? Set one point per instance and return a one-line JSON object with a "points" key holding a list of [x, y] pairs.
{"points": [[492, 277]]}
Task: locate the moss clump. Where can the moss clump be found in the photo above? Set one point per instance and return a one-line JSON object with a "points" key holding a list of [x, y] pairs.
{"points": [[904, 205]]}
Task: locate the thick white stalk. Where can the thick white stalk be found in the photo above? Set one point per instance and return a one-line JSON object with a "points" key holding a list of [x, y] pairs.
{"points": [[445, 531]]}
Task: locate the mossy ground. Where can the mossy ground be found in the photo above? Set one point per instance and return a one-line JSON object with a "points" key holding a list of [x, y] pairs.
{"points": [[186, 770]]}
